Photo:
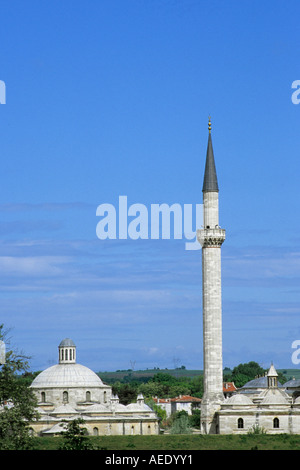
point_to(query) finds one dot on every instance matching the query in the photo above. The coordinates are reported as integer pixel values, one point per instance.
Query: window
(65, 397)
(275, 423)
(240, 423)
(43, 397)
(104, 397)
(88, 396)
(95, 431)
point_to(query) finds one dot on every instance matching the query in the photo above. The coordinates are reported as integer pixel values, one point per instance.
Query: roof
(180, 399)
(66, 342)
(210, 182)
(272, 372)
(260, 382)
(293, 383)
(238, 399)
(229, 387)
(67, 375)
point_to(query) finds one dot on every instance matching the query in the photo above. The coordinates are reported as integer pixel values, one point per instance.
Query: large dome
(67, 375)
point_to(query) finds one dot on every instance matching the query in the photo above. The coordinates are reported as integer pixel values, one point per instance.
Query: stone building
(68, 390)
(180, 403)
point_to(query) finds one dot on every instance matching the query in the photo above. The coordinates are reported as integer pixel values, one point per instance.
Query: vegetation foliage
(14, 420)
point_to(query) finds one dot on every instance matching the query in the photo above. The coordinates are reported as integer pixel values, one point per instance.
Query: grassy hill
(290, 373)
(130, 374)
(119, 375)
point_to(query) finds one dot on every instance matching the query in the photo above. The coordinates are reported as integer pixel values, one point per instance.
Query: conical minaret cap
(210, 182)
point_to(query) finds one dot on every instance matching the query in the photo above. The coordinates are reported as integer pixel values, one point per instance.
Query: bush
(181, 423)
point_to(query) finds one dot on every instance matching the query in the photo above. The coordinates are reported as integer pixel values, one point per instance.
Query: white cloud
(38, 265)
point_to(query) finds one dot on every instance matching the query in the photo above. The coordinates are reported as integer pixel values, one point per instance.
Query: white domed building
(67, 391)
(264, 404)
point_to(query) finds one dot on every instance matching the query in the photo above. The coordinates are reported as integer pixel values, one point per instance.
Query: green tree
(195, 418)
(161, 412)
(75, 436)
(17, 402)
(180, 423)
(127, 393)
(243, 373)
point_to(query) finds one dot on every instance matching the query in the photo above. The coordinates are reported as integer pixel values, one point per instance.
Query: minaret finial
(209, 124)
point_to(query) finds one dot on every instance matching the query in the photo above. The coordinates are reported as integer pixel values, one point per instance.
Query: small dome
(96, 408)
(238, 399)
(66, 342)
(133, 407)
(260, 382)
(297, 401)
(274, 400)
(63, 410)
(138, 407)
(120, 407)
(294, 383)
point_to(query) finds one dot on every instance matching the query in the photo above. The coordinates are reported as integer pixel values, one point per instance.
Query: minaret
(211, 238)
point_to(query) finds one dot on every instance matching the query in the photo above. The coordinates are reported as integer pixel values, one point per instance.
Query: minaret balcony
(211, 237)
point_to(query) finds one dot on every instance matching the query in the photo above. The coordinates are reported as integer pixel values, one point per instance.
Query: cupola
(67, 352)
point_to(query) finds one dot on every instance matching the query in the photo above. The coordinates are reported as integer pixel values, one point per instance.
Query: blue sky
(110, 98)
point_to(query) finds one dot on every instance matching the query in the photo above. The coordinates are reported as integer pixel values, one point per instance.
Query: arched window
(240, 423)
(88, 396)
(65, 397)
(275, 423)
(104, 397)
(95, 431)
(43, 397)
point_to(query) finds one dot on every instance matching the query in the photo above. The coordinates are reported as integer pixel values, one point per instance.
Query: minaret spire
(210, 182)
(211, 238)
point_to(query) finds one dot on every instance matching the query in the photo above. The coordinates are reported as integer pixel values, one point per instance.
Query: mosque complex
(68, 390)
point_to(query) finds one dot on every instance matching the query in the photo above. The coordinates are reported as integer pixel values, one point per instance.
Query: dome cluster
(68, 390)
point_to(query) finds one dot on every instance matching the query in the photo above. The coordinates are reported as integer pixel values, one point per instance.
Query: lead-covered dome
(238, 399)
(67, 375)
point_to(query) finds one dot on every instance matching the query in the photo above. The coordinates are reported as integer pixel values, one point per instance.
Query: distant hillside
(290, 373)
(143, 375)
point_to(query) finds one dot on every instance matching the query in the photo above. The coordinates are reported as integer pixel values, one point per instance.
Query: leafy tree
(197, 387)
(243, 373)
(161, 412)
(195, 418)
(17, 402)
(75, 436)
(180, 424)
(127, 393)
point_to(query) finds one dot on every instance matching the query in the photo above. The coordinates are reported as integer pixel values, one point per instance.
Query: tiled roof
(180, 399)
(229, 387)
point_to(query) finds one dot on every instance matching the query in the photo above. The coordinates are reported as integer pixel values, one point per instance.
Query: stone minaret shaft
(211, 238)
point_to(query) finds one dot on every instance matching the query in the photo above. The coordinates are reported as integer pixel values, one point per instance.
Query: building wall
(71, 395)
(289, 420)
(102, 426)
